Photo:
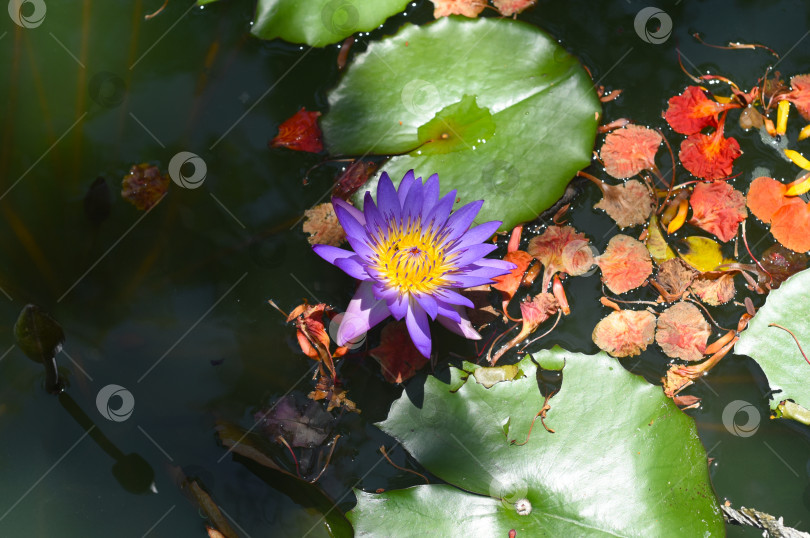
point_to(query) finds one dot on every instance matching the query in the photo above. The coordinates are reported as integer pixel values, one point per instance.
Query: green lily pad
(496, 107)
(624, 460)
(774, 349)
(320, 22)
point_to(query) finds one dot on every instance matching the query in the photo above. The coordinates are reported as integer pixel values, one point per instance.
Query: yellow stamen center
(412, 259)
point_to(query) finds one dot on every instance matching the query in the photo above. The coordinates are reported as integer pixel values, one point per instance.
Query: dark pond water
(172, 304)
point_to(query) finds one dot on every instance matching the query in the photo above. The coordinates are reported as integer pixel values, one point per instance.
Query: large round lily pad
(774, 349)
(624, 460)
(320, 22)
(496, 107)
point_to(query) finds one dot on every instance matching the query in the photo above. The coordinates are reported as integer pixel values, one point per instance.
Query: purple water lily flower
(410, 252)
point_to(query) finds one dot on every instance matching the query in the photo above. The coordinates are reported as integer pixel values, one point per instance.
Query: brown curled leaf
(322, 226)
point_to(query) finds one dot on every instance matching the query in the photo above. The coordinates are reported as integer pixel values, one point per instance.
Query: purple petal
(376, 225)
(428, 303)
(430, 194)
(398, 306)
(463, 328)
(363, 313)
(470, 281)
(356, 233)
(353, 211)
(353, 267)
(330, 253)
(472, 254)
(412, 206)
(405, 186)
(441, 211)
(417, 322)
(459, 222)
(449, 296)
(447, 311)
(480, 233)
(387, 198)
(500, 264)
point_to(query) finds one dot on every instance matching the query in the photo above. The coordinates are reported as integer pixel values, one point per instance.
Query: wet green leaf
(320, 22)
(774, 349)
(624, 460)
(537, 132)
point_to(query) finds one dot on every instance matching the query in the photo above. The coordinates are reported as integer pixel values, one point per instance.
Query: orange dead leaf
(507, 8)
(322, 225)
(675, 382)
(467, 8)
(629, 204)
(300, 133)
(799, 94)
(144, 186)
(766, 196)
(625, 333)
(561, 249)
(675, 276)
(625, 264)
(691, 111)
(629, 150)
(790, 226)
(718, 208)
(509, 283)
(709, 156)
(398, 357)
(683, 332)
(311, 333)
(534, 311)
(714, 289)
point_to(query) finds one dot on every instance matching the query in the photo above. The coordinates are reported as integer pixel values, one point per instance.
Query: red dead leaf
(321, 223)
(625, 333)
(766, 196)
(629, 150)
(629, 204)
(683, 332)
(675, 276)
(714, 289)
(467, 8)
(311, 333)
(396, 353)
(535, 311)
(353, 178)
(718, 208)
(790, 226)
(800, 94)
(561, 249)
(625, 264)
(781, 262)
(144, 186)
(300, 133)
(691, 111)
(507, 8)
(709, 156)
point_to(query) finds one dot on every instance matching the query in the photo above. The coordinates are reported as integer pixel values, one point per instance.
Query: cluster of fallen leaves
(473, 8)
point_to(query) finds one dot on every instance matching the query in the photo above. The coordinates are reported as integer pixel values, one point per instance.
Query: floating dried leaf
(656, 244)
(766, 196)
(625, 333)
(702, 253)
(398, 357)
(709, 156)
(790, 226)
(675, 276)
(629, 204)
(691, 111)
(629, 150)
(322, 225)
(799, 94)
(467, 8)
(306, 425)
(718, 208)
(683, 332)
(714, 288)
(625, 264)
(561, 249)
(782, 263)
(355, 176)
(144, 186)
(507, 8)
(300, 133)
